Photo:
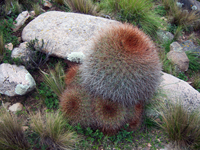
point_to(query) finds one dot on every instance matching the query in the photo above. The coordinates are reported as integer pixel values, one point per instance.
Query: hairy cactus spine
(123, 65)
(76, 105)
(108, 116)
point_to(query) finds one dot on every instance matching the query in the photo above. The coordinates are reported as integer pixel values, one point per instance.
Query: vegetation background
(47, 128)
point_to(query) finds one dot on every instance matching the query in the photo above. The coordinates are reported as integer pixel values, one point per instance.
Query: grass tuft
(51, 129)
(180, 125)
(81, 6)
(11, 133)
(55, 79)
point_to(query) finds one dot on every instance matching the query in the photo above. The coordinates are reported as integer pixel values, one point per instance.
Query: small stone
(24, 128)
(178, 57)
(47, 4)
(9, 46)
(32, 13)
(16, 107)
(19, 39)
(22, 17)
(6, 104)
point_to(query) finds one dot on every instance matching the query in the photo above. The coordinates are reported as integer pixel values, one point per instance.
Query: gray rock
(187, 45)
(178, 57)
(64, 32)
(190, 46)
(165, 36)
(177, 89)
(188, 4)
(15, 80)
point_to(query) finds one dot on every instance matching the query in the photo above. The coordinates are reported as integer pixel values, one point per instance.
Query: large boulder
(176, 89)
(15, 80)
(64, 32)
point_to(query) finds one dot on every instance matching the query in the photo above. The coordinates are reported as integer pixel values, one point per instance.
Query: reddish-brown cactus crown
(123, 65)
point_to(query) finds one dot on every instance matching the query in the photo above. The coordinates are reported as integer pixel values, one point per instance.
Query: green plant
(6, 26)
(36, 8)
(81, 6)
(2, 44)
(51, 127)
(122, 60)
(50, 98)
(160, 10)
(11, 133)
(182, 76)
(194, 60)
(139, 13)
(180, 125)
(61, 2)
(196, 81)
(177, 33)
(55, 79)
(35, 57)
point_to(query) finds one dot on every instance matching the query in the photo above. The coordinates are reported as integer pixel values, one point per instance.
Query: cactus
(108, 116)
(122, 66)
(76, 105)
(72, 76)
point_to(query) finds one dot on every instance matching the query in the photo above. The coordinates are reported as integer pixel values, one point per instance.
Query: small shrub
(51, 127)
(196, 81)
(160, 10)
(61, 2)
(50, 98)
(81, 6)
(11, 133)
(182, 76)
(194, 60)
(37, 9)
(6, 26)
(35, 57)
(180, 125)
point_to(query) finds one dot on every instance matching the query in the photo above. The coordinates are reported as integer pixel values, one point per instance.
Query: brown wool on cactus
(75, 103)
(71, 75)
(123, 65)
(108, 116)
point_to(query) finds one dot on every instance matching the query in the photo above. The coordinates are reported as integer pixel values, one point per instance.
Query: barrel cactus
(75, 103)
(123, 65)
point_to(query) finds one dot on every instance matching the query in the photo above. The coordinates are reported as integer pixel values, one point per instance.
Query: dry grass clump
(180, 125)
(81, 6)
(180, 17)
(51, 127)
(12, 136)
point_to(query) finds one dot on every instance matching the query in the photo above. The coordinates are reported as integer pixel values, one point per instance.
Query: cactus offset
(108, 116)
(123, 65)
(76, 105)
